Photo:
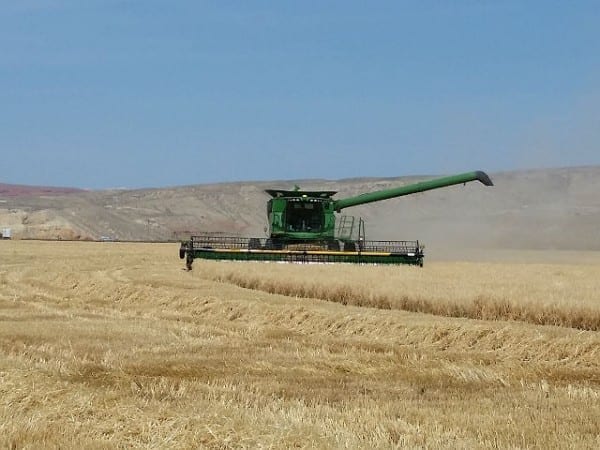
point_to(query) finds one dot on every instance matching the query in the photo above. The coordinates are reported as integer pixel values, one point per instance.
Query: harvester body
(302, 228)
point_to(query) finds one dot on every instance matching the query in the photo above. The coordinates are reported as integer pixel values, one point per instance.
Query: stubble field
(108, 345)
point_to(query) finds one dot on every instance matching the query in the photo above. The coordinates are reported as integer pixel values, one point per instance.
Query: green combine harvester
(303, 228)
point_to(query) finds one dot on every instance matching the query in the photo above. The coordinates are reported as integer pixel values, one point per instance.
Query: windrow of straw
(375, 288)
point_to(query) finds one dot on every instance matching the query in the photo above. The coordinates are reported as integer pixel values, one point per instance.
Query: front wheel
(273, 244)
(333, 246)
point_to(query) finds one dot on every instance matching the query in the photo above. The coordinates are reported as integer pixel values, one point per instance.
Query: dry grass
(114, 345)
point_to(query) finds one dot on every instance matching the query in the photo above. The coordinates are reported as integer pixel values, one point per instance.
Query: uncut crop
(543, 294)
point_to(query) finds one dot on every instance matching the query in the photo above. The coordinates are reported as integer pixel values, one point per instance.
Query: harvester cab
(297, 216)
(302, 228)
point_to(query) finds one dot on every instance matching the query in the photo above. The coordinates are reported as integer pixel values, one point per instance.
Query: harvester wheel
(273, 244)
(333, 246)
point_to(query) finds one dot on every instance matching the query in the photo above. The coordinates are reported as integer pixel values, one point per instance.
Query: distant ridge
(18, 190)
(557, 209)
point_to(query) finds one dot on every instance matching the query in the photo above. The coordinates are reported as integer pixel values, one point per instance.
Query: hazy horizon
(249, 181)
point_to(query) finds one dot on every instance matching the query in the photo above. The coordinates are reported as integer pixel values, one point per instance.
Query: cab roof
(277, 193)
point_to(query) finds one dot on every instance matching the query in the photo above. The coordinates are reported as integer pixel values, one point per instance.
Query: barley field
(114, 345)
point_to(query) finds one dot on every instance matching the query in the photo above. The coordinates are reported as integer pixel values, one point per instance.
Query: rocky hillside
(538, 209)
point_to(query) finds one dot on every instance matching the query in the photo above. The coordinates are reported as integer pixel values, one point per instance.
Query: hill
(535, 209)
(19, 190)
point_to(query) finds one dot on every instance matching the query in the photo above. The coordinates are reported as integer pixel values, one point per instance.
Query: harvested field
(115, 345)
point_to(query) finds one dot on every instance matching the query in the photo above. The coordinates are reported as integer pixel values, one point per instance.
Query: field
(108, 345)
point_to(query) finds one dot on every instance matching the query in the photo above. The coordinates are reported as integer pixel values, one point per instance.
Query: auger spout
(422, 186)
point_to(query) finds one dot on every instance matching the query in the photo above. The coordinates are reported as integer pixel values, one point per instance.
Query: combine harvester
(302, 228)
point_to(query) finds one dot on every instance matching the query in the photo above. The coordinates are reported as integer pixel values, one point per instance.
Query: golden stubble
(114, 345)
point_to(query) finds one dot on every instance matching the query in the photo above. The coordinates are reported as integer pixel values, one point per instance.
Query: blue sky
(116, 93)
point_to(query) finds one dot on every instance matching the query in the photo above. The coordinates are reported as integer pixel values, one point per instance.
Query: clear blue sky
(115, 93)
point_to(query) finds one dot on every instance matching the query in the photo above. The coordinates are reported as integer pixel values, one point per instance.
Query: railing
(211, 242)
(390, 246)
(224, 242)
